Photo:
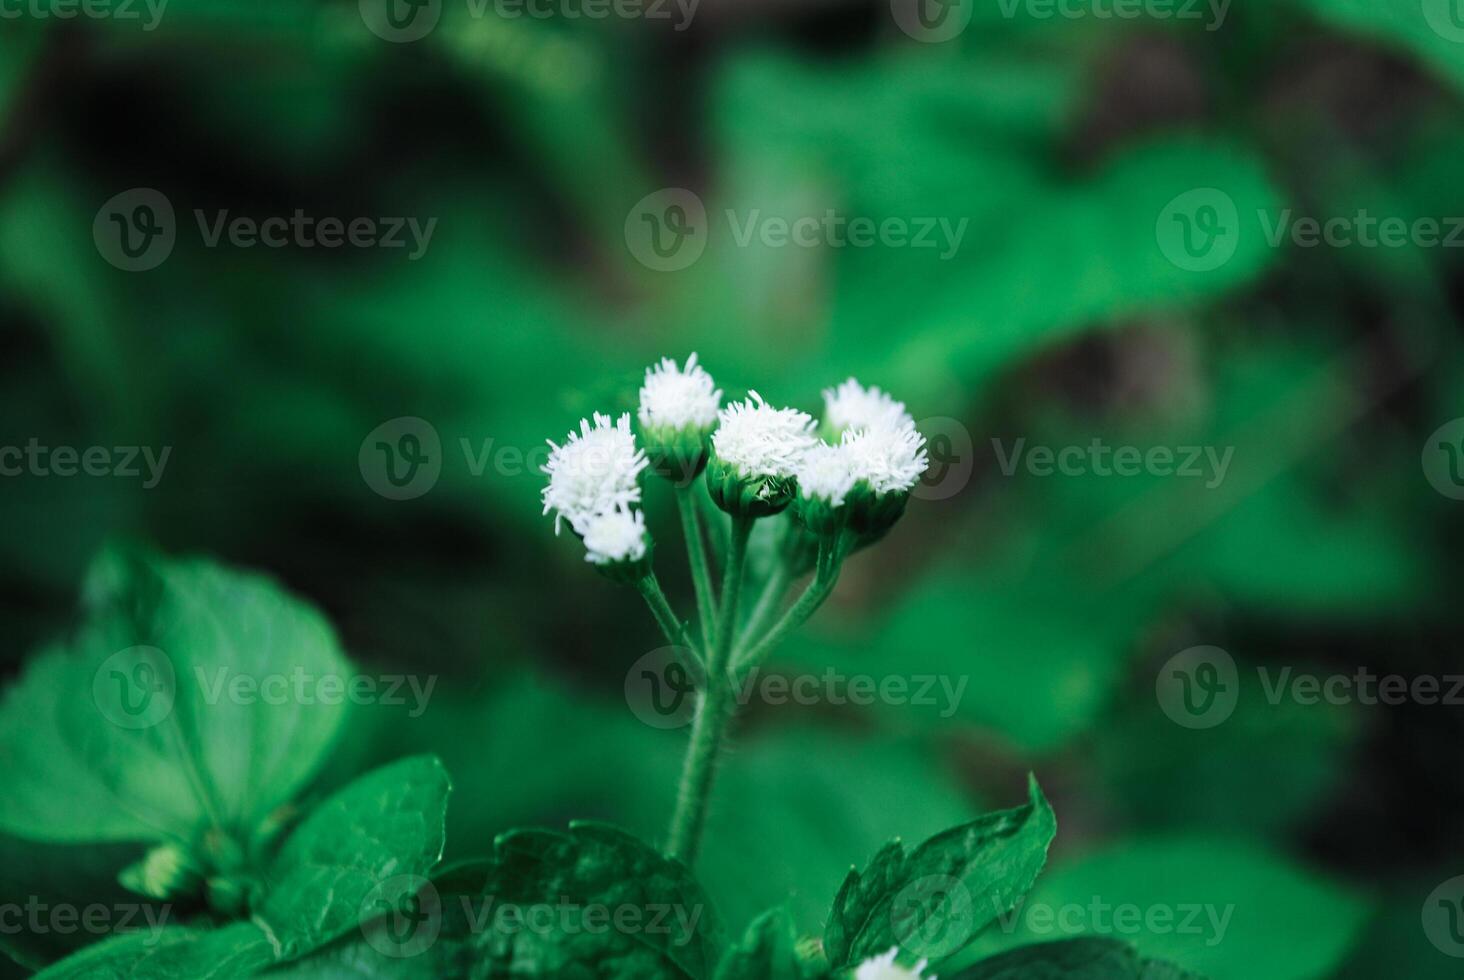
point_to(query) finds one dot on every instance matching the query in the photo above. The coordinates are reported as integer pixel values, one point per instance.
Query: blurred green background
(1061, 318)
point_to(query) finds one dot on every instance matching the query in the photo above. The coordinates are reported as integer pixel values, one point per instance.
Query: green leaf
(1073, 959)
(387, 824)
(933, 900)
(768, 951)
(175, 953)
(593, 902)
(1224, 908)
(597, 867)
(134, 729)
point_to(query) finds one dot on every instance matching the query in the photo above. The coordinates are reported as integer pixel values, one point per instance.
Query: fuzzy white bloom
(758, 440)
(615, 536)
(594, 472)
(884, 967)
(852, 406)
(826, 473)
(678, 398)
(889, 459)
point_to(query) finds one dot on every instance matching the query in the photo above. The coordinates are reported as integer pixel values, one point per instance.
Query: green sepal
(678, 455)
(740, 496)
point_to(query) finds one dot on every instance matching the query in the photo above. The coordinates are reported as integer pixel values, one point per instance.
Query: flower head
(884, 967)
(826, 474)
(757, 440)
(596, 471)
(890, 459)
(755, 453)
(852, 406)
(678, 407)
(615, 536)
(675, 399)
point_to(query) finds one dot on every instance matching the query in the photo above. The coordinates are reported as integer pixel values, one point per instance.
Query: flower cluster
(758, 458)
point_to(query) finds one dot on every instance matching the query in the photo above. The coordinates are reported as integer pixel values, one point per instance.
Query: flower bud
(678, 410)
(755, 451)
(617, 544)
(165, 873)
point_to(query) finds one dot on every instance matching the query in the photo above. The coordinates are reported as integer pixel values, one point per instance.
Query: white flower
(757, 440)
(615, 536)
(890, 460)
(593, 473)
(884, 967)
(675, 398)
(826, 473)
(852, 406)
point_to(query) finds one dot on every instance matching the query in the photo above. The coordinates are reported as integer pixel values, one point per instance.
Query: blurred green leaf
(1225, 909)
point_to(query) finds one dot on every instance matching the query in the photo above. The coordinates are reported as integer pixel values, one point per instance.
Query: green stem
(714, 711)
(716, 521)
(701, 572)
(767, 603)
(824, 580)
(650, 589)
